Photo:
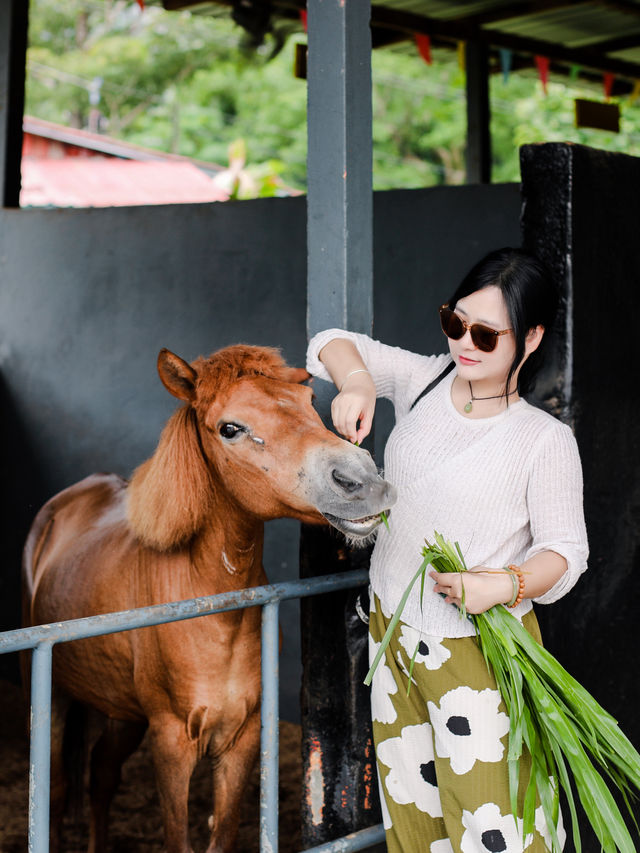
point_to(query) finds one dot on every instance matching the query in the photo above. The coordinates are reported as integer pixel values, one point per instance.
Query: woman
(474, 461)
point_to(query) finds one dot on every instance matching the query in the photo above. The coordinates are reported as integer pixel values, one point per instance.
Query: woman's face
(488, 307)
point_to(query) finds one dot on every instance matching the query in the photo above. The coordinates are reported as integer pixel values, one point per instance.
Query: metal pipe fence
(42, 638)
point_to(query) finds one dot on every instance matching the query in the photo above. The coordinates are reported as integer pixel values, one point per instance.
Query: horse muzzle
(353, 495)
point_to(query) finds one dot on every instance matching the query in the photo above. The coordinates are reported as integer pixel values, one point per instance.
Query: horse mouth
(355, 528)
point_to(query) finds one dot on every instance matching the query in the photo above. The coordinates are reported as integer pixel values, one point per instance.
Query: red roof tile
(97, 182)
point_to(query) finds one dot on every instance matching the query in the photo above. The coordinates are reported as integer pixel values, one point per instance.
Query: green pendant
(468, 407)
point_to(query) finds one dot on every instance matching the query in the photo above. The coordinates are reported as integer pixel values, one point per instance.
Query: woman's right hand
(353, 407)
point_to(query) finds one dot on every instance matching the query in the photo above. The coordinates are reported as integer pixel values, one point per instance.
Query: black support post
(580, 214)
(478, 114)
(339, 787)
(14, 15)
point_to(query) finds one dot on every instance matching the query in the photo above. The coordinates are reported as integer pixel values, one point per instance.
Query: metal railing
(42, 639)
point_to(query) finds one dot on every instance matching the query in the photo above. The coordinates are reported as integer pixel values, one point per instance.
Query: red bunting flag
(424, 46)
(303, 18)
(542, 63)
(607, 83)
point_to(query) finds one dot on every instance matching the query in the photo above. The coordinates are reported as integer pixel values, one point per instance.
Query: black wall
(88, 297)
(581, 213)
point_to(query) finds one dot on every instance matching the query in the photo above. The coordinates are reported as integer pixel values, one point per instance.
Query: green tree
(181, 82)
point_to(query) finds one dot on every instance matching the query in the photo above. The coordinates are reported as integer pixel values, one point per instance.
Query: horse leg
(60, 704)
(174, 757)
(119, 739)
(230, 776)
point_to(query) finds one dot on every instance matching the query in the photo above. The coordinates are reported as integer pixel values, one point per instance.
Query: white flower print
(383, 686)
(441, 846)
(412, 777)
(541, 826)
(487, 829)
(384, 808)
(468, 727)
(431, 653)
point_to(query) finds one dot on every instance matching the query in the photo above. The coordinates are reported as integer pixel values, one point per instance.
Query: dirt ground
(135, 825)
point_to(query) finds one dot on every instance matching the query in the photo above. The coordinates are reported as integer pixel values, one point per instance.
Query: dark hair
(530, 296)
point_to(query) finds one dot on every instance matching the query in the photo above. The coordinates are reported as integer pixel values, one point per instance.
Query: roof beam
(629, 8)
(614, 44)
(517, 10)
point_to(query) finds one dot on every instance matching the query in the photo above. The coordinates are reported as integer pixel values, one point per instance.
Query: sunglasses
(482, 336)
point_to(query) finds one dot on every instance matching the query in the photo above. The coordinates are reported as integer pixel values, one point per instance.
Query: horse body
(246, 447)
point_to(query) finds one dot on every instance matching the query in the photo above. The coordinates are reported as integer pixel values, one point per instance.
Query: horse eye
(230, 430)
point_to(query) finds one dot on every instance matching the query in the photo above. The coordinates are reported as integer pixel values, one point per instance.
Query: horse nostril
(346, 483)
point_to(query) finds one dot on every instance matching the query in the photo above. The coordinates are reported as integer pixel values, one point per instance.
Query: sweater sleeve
(555, 502)
(398, 374)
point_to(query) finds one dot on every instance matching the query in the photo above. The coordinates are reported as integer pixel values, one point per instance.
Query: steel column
(40, 761)
(478, 113)
(269, 741)
(339, 164)
(335, 717)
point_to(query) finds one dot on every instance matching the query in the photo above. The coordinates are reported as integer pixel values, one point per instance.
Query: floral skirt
(442, 750)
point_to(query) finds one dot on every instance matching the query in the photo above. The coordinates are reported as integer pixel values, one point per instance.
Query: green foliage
(181, 82)
(567, 734)
(522, 114)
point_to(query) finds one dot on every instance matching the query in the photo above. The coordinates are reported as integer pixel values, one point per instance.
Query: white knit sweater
(505, 487)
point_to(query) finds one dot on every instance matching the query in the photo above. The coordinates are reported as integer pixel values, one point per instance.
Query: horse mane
(171, 495)
(224, 368)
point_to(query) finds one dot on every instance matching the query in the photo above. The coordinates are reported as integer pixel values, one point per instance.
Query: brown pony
(247, 446)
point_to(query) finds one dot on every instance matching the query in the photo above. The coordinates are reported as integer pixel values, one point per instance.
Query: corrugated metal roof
(603, 35)
(593, 24)
(598, 35)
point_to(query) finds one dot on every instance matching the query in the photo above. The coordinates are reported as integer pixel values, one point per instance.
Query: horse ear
(178, 377)
(294, 374)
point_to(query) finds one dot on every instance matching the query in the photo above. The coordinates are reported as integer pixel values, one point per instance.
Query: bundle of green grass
(567, 733)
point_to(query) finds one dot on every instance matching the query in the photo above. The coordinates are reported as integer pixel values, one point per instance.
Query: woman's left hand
(483, 588)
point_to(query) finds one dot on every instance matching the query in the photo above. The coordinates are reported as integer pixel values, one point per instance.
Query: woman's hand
(353, 407)
(483, 588)
(356, 400)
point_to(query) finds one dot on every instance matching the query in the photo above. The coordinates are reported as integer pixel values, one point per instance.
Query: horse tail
(171, 494)
(31, 553)
(34, 545)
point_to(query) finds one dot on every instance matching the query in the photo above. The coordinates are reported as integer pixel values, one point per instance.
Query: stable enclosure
(89, 297)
